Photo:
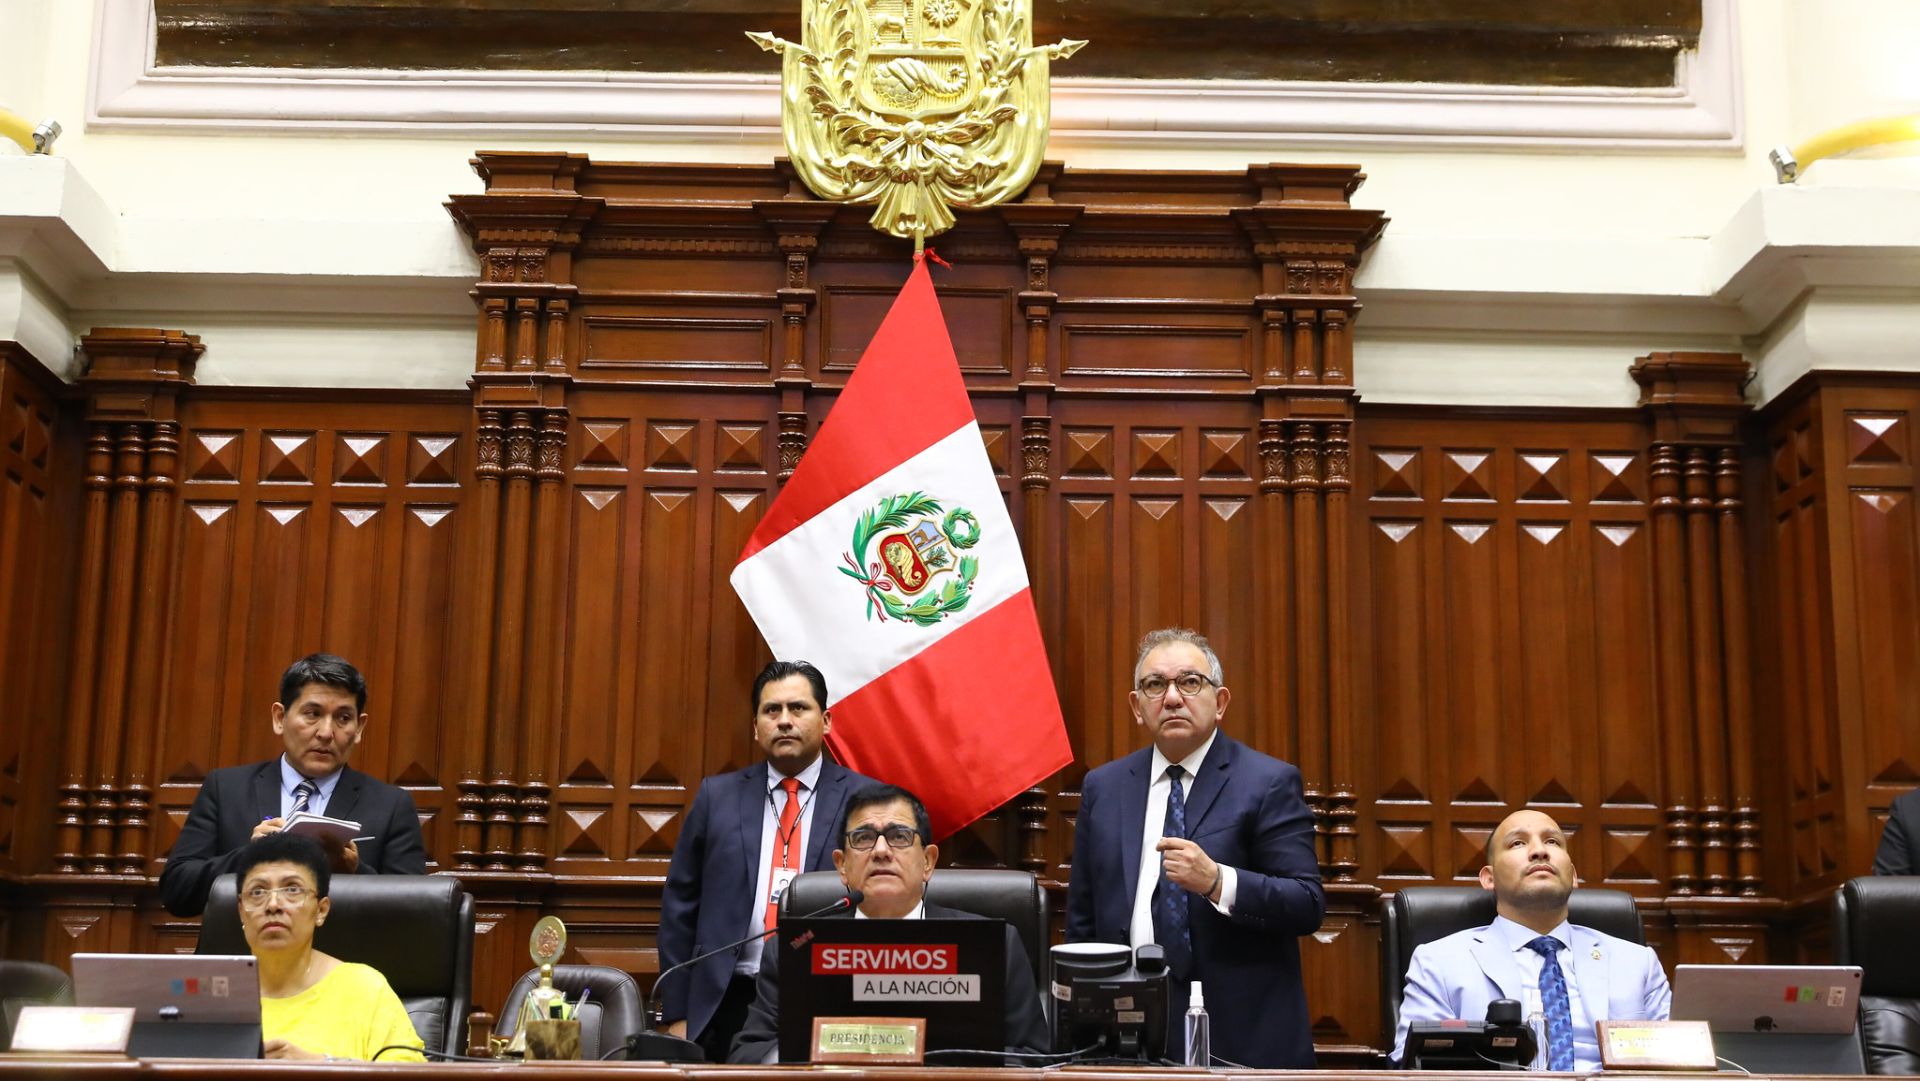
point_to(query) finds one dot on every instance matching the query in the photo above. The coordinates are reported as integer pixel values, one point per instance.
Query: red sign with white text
(846, 959)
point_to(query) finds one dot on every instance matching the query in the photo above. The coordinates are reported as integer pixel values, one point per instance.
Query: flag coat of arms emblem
(889, 561)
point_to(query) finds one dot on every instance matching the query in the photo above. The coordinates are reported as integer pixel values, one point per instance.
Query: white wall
(1518, 275)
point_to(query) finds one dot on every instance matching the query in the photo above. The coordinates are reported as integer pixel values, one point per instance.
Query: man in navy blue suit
(748, 834)
(1203, 845)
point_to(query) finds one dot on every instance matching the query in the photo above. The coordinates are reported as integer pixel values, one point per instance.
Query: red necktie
(786, 853)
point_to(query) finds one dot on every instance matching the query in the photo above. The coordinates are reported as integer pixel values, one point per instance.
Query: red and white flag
(890, 562)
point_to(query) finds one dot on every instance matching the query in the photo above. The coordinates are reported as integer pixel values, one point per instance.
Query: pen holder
(551, 1039)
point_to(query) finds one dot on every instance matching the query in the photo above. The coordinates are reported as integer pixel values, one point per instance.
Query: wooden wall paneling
(1869, 433)
(40, 454)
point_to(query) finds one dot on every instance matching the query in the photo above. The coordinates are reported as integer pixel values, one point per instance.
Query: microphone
(1509, 1036)
(649, 1045)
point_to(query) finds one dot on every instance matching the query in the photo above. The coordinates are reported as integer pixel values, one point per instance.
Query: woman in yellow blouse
(312, 1006)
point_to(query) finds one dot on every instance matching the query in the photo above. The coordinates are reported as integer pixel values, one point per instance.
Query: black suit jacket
(1026, 1025)
(232, 801)
(708, 900)
(1896, 855)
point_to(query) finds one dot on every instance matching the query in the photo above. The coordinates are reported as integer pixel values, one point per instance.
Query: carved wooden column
(1038, 223)
(1696, 406)
(525, 229)
(133, 381)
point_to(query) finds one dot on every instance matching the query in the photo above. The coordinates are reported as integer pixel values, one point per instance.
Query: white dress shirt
(1586, 1042)
(1156, 820)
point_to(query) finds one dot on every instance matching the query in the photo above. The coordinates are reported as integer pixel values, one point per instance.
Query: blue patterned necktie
(302, 793)
(1553, 1002)
(1170, 928)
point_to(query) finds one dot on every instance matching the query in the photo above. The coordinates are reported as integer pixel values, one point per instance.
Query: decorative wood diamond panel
(1616, 478)
(1406, 851)
(583, 830)
(1470, 848)
(360, 458)
(1088, 452)
(286, 457)
(1156, 454)
(1877, 437)
(430, 459)
(1396, 473)
(654, 828)
(603, 444)
(998, 440)
(213, 456)
(1629, 855)
(740, 447)
(1467, 475)
(1542, 476)
(669, 444)
(1223, 453)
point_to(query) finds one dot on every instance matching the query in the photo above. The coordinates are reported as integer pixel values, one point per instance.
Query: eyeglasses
(256, 897)
(1188, 684)
(862, 839)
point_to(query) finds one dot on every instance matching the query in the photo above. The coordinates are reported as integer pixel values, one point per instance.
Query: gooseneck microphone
(650, 1045)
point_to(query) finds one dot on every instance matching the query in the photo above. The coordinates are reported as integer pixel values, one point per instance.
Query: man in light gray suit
(1570, 976)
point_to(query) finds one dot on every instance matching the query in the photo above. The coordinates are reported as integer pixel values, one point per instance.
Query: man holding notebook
(320, 718)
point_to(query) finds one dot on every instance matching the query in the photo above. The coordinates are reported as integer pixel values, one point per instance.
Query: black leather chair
(1421, 914)
(611, 1012)
(1013, 896)
(416, 929)
(1876, 925)
(29, 983)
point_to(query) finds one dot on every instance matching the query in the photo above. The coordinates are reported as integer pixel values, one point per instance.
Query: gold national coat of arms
(917, 106)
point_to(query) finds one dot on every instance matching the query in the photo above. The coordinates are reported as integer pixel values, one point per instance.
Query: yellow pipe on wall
(1789, 163)
(15, 127)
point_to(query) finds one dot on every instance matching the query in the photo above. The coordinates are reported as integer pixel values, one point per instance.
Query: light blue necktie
(302, 794)
(1554, 1003)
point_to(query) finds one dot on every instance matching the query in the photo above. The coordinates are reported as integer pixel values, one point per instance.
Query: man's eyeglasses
(862, 839)
(257, 897)
(1187, 683)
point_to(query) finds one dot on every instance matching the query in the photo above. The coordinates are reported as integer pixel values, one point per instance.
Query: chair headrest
(1428, 913)
(1882, 913)
(407, 926)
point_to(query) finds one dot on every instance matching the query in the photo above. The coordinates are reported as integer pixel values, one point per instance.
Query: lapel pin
(1596, 953)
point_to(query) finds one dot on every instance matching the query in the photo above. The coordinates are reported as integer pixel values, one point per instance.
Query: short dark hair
(781, 670)
(322, 668)
(881, 795)
(285, 848)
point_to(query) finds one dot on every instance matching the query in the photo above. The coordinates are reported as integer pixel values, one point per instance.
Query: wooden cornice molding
(136, 373)
(1695, 398)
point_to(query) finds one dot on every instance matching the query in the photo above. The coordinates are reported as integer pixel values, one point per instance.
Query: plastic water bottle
(1199, 1030)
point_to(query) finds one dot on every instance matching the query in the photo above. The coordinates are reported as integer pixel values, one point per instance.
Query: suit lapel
(1133, 817)
(346, 794)
(265, 794)
(1208, 781)
(1592, 969)
(747, 801)
(1498, 964)
(827, 797)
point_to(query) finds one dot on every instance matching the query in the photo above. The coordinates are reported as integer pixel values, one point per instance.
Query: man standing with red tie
(748, 834)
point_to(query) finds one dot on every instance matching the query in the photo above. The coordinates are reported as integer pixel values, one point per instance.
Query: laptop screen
(187, 987)
(1768, 998)
(952, 972)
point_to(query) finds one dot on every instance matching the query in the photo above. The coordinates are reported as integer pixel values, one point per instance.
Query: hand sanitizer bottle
(1199, 1030)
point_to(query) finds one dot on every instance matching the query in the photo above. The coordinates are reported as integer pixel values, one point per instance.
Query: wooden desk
(118, 1069)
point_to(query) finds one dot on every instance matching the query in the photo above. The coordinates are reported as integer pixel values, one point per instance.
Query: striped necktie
(303, 793)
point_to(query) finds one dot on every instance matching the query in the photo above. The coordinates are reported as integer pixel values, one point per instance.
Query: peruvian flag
(889, 562)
